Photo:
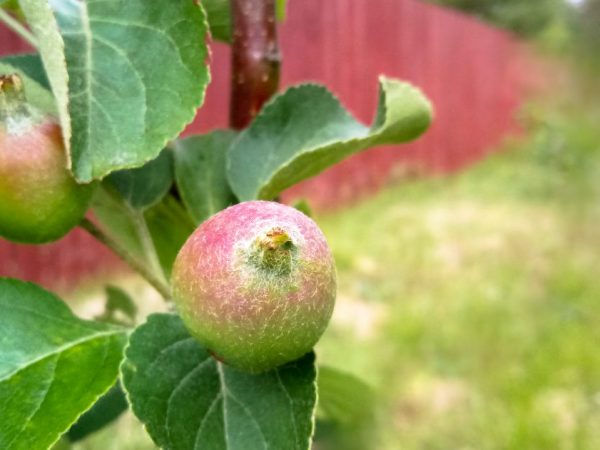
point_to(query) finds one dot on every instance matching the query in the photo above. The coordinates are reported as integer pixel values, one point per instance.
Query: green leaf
(303, 206)
(127, 227)
(29, 66)
(117, 300)
(35, 82)
(219, 18)
(187, 400)
(137, 72)
(305, 130)
(54, 366)
(161, 229)
(170, 226)
(147, 185)
(11, 5)
(200, 173)
(343, 398)
(110, 406)
(50, 44)
(280, 9)
(116, 219)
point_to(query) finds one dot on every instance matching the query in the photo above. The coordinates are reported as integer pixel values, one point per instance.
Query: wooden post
(256, 59)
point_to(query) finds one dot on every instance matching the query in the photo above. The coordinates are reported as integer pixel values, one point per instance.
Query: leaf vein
(208, 413)
(179, 385)
(291, 402)
(39, 405)
(61, 349)
(168, 38)
(168, 348)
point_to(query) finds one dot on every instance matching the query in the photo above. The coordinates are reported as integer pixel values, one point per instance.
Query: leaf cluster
(124, 78)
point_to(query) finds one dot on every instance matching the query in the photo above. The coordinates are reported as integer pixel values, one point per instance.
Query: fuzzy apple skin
(251, 312)
(39, 199)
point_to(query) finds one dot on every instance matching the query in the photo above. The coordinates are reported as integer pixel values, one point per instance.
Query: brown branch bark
(256, 61)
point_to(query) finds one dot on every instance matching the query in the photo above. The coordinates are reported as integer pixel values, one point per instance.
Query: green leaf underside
(137, 73)
(305, 130)
(35, 83)
(119, 300)
(107, 409)
(200, 173)
(343, 398)
(115, 217)
(170, 225)
(168, 222)
(219, 18)
(53, 367)
(52, 52)
(187, 400)
(147, 185)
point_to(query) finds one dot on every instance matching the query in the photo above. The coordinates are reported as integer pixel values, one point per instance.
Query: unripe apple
(256, 285)
(39, 199)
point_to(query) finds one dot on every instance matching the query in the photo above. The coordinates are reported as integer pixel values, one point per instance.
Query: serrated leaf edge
(64, 118)
(222, 387)
(121, 375)
(372, 135)
(266, 110)
(192, 114)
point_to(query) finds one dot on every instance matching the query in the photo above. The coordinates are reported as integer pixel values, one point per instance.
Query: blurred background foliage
(559, 25)
(526, 18)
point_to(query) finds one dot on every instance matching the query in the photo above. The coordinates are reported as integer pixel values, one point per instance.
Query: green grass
(472, 303)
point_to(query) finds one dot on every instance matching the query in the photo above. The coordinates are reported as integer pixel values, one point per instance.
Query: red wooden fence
(475, 75)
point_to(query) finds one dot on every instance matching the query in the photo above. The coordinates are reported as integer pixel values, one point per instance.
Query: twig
(98, 234)
(17, 27)
(255, 63)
